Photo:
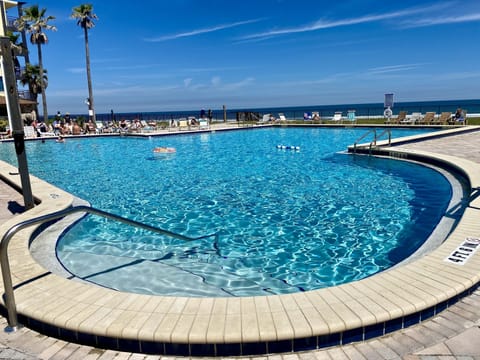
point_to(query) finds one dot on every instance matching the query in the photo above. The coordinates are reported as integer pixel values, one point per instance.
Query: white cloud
(76, 70)
(240, 84)
(441, 20)
(216, 81)
(200, 31)
(187, 82)
(393, 68)
(325, 24)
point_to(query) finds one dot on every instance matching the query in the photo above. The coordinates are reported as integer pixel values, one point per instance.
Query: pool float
(286, 147)
(164, 150)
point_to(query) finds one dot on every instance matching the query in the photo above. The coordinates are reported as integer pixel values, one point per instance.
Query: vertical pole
(224, 113)
(13, 108)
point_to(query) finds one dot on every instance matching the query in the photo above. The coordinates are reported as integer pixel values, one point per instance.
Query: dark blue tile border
(241, 349)
(228, 350)
(354, 335)
(374, 331)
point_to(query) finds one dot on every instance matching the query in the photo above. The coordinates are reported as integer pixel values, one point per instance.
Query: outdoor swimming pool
(286, 221)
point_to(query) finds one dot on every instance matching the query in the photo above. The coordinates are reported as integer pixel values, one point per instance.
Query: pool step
(116, 272)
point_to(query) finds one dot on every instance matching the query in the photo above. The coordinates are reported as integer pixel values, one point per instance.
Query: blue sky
(188, 54)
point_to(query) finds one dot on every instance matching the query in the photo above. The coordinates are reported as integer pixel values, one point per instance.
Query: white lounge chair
(146, 127)
(265, 119)
(29, 131)
(410, 119)
(183, 124)
(99, 127)
(282, 117)
(203, 124)
(337, 117)
(416, 117)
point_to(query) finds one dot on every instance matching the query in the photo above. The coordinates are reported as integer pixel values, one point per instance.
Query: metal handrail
(362, 137)
(375, 138)
(382, 133)
(4, 262)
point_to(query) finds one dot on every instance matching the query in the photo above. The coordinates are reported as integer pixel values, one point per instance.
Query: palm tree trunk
(44, 98)
(91, 106)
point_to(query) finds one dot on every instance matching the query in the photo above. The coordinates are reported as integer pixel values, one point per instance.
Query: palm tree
(34, 21)
(31, 77)
(84, 14)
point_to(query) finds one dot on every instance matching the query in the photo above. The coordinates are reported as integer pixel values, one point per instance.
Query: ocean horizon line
(362, 109)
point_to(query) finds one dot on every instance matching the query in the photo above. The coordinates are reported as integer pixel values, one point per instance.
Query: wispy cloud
(76, 70)
(217, 84)
(393, 68)
(326, 24)
(200, 31)
(440, 20)
(240, 84)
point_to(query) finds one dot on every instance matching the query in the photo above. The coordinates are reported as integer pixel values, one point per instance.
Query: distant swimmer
(162, 149)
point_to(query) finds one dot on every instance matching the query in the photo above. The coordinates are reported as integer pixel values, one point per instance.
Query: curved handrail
(4, 262)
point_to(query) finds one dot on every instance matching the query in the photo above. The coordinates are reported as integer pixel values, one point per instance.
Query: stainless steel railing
(375, 138)
(5, 265)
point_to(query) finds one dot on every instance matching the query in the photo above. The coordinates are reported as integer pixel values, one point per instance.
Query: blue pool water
(286, 221)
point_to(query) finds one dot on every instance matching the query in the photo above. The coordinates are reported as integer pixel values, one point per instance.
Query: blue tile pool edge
(243, 349)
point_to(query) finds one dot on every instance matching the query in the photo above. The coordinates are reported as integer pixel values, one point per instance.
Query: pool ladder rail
(376, 137)
(9, 296)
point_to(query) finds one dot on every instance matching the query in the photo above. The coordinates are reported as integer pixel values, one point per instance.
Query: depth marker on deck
(464, 251)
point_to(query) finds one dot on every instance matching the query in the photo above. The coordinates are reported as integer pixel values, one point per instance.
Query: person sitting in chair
(459, 116)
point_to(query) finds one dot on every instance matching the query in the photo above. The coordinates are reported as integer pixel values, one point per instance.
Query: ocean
(296, 112)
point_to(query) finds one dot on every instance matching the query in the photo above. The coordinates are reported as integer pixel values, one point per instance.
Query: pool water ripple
(286, 220)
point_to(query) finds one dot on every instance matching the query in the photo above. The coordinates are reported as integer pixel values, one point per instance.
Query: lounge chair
(172, 124)
(146, 127)
(193, 122)
(183, 124)
(265, 119)
(351, 116)
(428, 119)
(99, 127)
(337, 117)
(316, 116)
(459, 120)
(29, 131)
(445, 118)
(203, 124)
(402, 115)
(282, 117)
(415, 118)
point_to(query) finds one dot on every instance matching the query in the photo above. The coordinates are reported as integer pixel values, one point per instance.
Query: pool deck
(421, 289)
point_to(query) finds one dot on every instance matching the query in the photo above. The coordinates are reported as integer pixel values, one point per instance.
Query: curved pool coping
(388, 301)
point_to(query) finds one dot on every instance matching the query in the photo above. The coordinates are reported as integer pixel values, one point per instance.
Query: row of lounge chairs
(189, 123)
(430, 118)
(313, 116)
(136, 126)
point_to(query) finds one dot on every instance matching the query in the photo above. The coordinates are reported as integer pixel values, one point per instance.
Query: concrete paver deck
(451, 333)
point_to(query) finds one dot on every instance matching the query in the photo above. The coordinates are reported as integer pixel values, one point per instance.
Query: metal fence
(296, 114)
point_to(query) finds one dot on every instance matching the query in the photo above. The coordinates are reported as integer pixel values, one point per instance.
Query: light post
(13, 109)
